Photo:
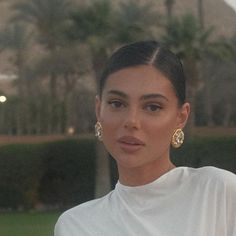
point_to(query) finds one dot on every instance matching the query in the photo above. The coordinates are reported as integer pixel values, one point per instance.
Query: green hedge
(62, 173)
(20, 171)
(217, 151)
(69, 172)
(208, 151)
(57, 174)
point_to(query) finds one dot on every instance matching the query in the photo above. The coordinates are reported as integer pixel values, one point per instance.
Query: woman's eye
(115, 104)
(153, 107)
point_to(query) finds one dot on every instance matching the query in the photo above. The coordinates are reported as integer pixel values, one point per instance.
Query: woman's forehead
(146, 79)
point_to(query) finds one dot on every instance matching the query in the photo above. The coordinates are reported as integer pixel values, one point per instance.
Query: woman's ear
(184, 113)
(98, 107)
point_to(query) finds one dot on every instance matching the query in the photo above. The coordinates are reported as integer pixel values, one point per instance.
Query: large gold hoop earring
(98, 131)
(177, 138)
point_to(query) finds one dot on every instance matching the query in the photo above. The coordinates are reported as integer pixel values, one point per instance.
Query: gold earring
(177, 138)
(98, 131)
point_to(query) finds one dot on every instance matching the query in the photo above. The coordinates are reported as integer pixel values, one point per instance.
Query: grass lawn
(27, 224)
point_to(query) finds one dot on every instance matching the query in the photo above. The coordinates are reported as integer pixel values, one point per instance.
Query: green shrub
(60, 173)
(69, 172)
(20, 171)
(218, 151)
(11, 196)
(212, 151)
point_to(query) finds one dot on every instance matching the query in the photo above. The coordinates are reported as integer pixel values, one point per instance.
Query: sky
(231, 3)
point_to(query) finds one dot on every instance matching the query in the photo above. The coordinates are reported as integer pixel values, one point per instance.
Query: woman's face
(139, 113)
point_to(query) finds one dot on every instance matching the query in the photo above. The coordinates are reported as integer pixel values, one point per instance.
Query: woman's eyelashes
(116, 104)
(152, 107)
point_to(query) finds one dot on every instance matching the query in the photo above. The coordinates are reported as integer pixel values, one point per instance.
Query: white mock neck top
(183, 202)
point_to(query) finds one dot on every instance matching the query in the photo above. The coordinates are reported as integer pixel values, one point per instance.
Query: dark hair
(147, 53)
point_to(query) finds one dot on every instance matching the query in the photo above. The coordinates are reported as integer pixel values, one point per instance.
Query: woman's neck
(142, 175)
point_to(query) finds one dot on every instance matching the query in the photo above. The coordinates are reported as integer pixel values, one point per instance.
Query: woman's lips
(130, 144)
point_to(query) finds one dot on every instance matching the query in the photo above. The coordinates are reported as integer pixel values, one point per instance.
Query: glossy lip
(130, 144)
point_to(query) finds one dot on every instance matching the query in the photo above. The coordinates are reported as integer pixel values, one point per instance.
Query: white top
(183, 202)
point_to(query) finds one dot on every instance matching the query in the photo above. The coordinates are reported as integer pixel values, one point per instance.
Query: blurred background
(51, 55)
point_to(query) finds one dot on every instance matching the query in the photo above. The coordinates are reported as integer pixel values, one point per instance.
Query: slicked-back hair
(147, 53)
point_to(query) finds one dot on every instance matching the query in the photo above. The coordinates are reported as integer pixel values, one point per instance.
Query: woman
(141, 111)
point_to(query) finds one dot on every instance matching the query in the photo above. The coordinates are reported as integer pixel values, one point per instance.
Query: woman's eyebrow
(117, 92)
(143, 97)
(153, 95)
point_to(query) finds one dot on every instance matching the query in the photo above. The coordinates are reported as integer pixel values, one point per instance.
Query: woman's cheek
(109, 125)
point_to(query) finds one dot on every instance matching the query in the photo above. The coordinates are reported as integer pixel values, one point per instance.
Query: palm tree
(92, 25)
(218, 61)
(103, 29)
(135, 21)
(189, 41)
(201, 13)
(70, 65)
(16, 39)
(169, 9)
(49, 20)
(192, 44)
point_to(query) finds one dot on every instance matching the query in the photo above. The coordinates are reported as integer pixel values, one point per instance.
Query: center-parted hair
(147, 53)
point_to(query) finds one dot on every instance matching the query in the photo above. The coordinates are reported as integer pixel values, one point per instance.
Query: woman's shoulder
(72, 221)
(214, 175)
(215, 172)
(76, 220)
(86, 210)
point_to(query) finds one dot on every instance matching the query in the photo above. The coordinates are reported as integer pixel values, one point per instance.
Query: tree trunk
(208, 102)
(2, 117)
(99, 60)
(103, 177)
(201, 13)
(53, 103)
(227, 114)
(103, 182)
(191, 71)
(169, 9)
(207, 77)
(70, 85)
(21, 93)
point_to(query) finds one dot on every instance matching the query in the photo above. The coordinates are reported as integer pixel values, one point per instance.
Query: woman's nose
(132, 119)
